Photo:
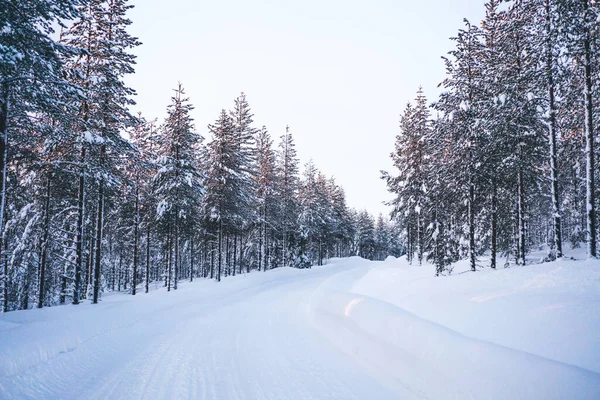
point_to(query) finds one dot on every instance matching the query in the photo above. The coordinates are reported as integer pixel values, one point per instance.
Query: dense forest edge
(505, 161)
(96, 198)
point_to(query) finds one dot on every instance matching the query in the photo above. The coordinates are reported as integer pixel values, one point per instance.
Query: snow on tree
(178, 181)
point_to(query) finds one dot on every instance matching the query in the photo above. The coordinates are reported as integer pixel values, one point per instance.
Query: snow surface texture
(352, 329)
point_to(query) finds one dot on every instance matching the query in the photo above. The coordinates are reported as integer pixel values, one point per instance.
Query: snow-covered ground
(352, 329)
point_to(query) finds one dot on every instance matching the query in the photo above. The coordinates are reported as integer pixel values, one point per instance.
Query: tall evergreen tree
(287, 173)
(178, 180)
(102, 32)
(32, 80)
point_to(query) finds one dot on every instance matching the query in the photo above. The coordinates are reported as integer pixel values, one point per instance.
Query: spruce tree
(178, 180)
(102, 32)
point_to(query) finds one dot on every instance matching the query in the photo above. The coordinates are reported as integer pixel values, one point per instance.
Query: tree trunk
(472, 254)
(521, 218)
(220, 255)
(99, 223)
(176, 275)
(120, 273)
(63, 285)
(90, 261)
(266, 242)
(212, 260)
(260, 246)
(166, 262)
(284, 248)
(3, 167)
(113, 277)
(420, 238)
(242, 256)
(227, 256)
(205, 258)
(44, 255)
(552, 136)
(170, 260)
(148, 258)
(136, 250)
(192, 258)
(126, 280)
(234, 253)
(494, 225)
(409, 253)
(589, 145)
(80, 228)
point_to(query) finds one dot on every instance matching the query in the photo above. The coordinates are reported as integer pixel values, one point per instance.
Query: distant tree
(287, 175)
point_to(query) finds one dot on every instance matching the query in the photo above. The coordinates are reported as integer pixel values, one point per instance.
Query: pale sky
(337, 72)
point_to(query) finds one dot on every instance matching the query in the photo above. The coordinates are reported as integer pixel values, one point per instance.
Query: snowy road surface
(284, 334)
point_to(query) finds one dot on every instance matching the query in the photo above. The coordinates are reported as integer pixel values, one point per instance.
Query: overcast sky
(337, 72)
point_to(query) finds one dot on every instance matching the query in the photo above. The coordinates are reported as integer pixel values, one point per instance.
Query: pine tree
(102, 32)
(222, 182)
(265, 185)
(31, 80)
(287, 176)
(244, 135)
(310, 217)
(365, 239)
(382, 239)
(582, 40)
(178, 180)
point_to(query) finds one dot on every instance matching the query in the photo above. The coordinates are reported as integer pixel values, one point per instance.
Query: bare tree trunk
(90, 261)
(220, 255)
(212, 260)
(136, 241)
(205, 267)
(260, 246)
(44, 255)
(521, 218)
(192, 258)
(494, 224)
(99, 223)
(284, 248)
(177, 261)
(148, 259)
(63, 285)
(3, 167)
(552, 136)
(589, 139)
(126, 272)
(234, 252)
(80, 228)
(472, 254)
(227, 255)
(242, 256)
(120, 273)
(409, 254)
(420, 238)
(170, 260)
(166, 261)
(266, 242)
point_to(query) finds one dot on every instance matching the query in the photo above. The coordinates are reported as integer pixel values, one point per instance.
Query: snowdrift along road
(285, 334)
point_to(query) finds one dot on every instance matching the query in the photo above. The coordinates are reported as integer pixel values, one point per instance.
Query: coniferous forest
(506, 159)
(96, 197)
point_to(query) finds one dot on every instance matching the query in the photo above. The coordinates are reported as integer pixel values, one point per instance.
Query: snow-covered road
(250, 337)
(284, 334)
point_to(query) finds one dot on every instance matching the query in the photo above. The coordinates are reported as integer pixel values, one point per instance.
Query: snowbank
(432, 361)
(551, 310)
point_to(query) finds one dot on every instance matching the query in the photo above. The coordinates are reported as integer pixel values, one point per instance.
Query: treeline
(94, 198)
(509, 160)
